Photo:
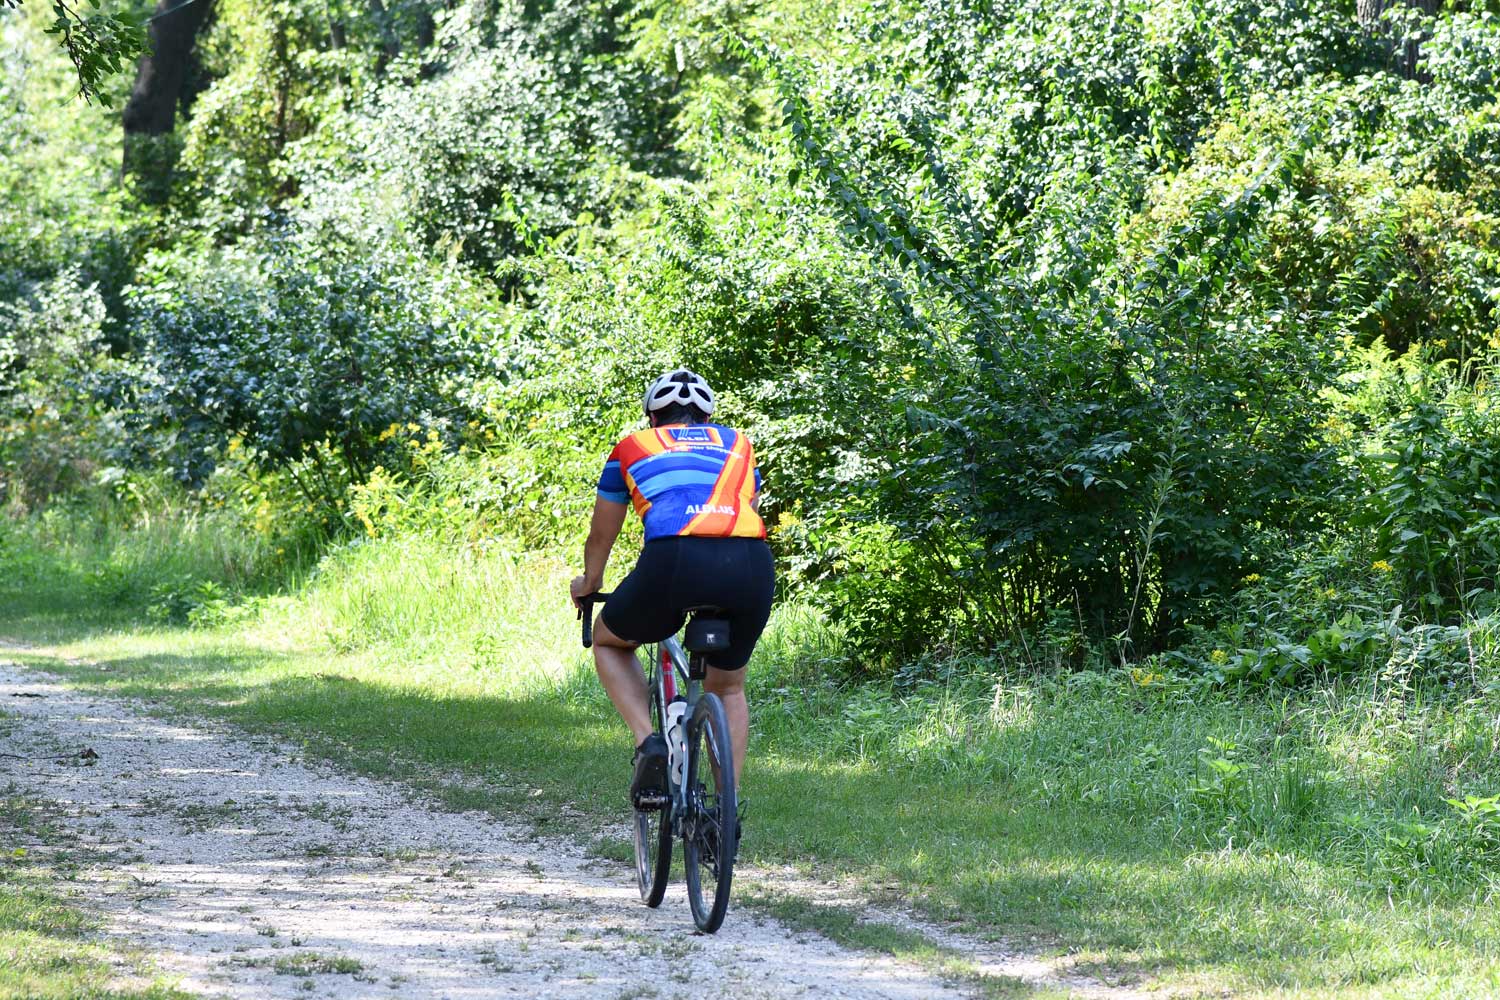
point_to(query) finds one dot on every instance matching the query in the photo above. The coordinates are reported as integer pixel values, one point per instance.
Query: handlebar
(586, 614)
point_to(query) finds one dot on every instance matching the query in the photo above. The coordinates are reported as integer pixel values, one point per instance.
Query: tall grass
(484, 619)
(86, 564)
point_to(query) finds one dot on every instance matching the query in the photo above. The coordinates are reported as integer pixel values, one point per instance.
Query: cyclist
(696, 488)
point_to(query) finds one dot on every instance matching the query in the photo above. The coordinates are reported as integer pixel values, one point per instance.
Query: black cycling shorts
(682, 572)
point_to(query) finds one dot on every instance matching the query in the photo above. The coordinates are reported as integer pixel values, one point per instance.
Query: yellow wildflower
(1218, 657)
(1381, 565)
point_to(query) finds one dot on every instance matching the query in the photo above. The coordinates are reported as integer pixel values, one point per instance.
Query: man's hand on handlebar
(582, 587)
(585, 602)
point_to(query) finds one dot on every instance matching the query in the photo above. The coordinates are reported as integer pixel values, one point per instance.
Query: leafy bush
(51, 437)
(302, 353)
(1034, 493)
(1128, 287)
(1436, 506)
(534, 125)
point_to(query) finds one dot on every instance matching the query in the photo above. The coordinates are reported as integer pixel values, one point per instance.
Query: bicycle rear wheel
(653, 827)
(710, 830)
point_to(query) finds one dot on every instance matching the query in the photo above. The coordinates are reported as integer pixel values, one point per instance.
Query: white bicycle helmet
(679, 387)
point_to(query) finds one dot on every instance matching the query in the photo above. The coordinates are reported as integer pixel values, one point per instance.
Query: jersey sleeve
(755, 470)
(612, 480)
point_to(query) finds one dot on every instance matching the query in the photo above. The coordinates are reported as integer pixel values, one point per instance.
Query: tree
(151, 112)
(1405, 48)
(99, 44)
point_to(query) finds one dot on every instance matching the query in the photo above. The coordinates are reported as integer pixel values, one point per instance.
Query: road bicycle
(700, 806)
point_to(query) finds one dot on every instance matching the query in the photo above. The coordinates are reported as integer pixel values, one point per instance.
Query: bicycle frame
(673, 668)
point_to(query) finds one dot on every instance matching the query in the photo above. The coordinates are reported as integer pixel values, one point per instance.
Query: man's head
(679, 397)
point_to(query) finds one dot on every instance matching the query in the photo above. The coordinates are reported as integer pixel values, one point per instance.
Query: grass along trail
(248, 872)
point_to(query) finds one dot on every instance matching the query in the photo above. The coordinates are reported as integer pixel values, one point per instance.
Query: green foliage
(50, 438)
(58, 169)
(1207, 305)
(99, 44)
(532, 128)
(1053, 324)
(301, 354)
(1030, 491)
(272, 75)
(1436, 506)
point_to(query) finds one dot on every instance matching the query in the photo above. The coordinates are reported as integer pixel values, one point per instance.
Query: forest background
(1123, 376)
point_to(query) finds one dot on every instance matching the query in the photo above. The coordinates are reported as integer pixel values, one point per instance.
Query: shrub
(51, 436)
(304, 353)
(1436, 503)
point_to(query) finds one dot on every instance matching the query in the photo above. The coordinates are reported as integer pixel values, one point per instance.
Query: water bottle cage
(676, 735)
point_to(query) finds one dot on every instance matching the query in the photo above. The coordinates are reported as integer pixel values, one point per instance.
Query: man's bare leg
(623, 679)
(729, 685)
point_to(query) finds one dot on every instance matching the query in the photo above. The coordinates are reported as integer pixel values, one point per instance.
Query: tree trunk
(1369, 11)
(390, 45)
(1406, 54)
(151, 113)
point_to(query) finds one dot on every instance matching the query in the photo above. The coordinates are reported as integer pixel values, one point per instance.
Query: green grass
(308, 963)
(47, 948)
(1288, 845)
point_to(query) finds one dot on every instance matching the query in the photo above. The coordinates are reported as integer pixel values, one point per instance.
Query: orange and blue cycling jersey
(686, 479)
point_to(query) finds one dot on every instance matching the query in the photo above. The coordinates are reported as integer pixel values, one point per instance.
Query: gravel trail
(249, 872)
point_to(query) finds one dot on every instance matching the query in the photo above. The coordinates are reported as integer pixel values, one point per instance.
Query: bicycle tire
(710, 832)
(653, 827)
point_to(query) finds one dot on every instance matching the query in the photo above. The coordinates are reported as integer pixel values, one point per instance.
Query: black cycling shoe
(650, 779)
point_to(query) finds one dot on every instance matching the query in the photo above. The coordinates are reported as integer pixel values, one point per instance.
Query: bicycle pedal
(647, 802)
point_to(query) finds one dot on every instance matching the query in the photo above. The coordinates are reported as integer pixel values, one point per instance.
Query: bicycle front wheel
(653, 852)
(653, 827)
(710, 829)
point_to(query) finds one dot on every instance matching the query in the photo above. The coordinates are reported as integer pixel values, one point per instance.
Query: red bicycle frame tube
(668, 677)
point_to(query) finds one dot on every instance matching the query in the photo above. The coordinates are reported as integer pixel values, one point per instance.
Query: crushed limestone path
(249, 872)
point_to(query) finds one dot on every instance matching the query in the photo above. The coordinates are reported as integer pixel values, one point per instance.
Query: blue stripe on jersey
(648, 468)
(669, 479)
